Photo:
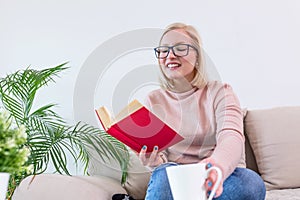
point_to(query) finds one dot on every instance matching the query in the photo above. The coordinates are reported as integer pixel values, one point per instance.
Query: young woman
(207, 114)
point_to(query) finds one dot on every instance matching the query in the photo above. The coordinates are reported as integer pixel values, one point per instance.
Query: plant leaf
(50, 139)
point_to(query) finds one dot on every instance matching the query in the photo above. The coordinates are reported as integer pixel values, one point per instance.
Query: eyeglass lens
(178, 50)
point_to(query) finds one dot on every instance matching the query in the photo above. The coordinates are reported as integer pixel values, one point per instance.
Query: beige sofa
(272, 149)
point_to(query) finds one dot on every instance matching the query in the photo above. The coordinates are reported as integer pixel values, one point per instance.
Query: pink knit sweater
(211, 121)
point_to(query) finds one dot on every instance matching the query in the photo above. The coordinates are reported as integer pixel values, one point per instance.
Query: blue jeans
(243, 184)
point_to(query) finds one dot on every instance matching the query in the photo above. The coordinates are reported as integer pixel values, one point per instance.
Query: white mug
(187, 181)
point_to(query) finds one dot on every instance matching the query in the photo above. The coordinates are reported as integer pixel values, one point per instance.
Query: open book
(136, 126)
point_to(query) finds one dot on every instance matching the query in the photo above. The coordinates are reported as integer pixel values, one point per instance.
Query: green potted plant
(13, 152)
(49, 137)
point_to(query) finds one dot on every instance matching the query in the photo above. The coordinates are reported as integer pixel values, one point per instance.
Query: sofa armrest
(55, 186)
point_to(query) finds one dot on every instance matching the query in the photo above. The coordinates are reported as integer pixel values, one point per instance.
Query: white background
(254, 44)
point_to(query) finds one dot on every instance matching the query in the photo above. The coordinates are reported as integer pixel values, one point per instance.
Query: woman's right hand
(150, 160)
(212, 177)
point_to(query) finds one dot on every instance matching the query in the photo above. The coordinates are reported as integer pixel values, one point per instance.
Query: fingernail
(144, 147)
(209, 184)
(208, 193)
(209, 165)
(156, 147)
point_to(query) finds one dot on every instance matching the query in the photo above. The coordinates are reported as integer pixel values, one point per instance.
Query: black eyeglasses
(179, 50)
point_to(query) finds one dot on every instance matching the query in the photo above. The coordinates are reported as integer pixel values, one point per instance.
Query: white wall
(253, 44)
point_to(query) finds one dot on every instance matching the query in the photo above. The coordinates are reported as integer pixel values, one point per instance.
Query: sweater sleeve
(229, 132)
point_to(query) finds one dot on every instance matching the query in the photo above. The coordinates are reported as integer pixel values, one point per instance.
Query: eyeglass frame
(172, 47)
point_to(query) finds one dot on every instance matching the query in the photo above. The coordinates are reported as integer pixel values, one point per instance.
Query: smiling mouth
(173, 65)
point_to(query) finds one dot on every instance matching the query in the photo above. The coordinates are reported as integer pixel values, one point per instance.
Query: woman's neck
(180, 86)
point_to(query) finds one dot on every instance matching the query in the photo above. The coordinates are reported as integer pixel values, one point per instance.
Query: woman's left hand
(212, 178)
(152, 160)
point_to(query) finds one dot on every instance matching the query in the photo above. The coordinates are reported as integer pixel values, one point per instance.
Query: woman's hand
(212, 178)
(152, 160)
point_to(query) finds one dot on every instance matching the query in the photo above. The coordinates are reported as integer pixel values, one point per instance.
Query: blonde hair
(200, 79)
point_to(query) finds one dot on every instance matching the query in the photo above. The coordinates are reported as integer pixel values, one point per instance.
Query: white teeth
(173, 65)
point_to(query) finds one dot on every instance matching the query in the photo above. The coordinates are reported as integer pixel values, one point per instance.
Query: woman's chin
(175, 76)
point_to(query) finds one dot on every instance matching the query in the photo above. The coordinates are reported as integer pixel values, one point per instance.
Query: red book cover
(136, 126)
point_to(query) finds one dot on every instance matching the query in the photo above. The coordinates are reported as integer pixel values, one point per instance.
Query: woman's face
(175, 67)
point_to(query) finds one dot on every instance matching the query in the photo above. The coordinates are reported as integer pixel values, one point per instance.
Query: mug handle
(219, 172)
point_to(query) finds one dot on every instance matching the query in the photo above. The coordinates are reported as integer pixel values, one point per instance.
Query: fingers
(211, 181)
(142, 155)
(218, 193)
(153, 155)
(147, 160)
(212, 177)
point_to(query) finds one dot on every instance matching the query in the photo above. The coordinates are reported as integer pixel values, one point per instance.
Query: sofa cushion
(55, 186)
(137, 178)
(274, 135)
(290, 194)
(109, 167)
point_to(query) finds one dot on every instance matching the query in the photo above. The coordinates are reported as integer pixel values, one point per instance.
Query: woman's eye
(163, 50)
(181, 48)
